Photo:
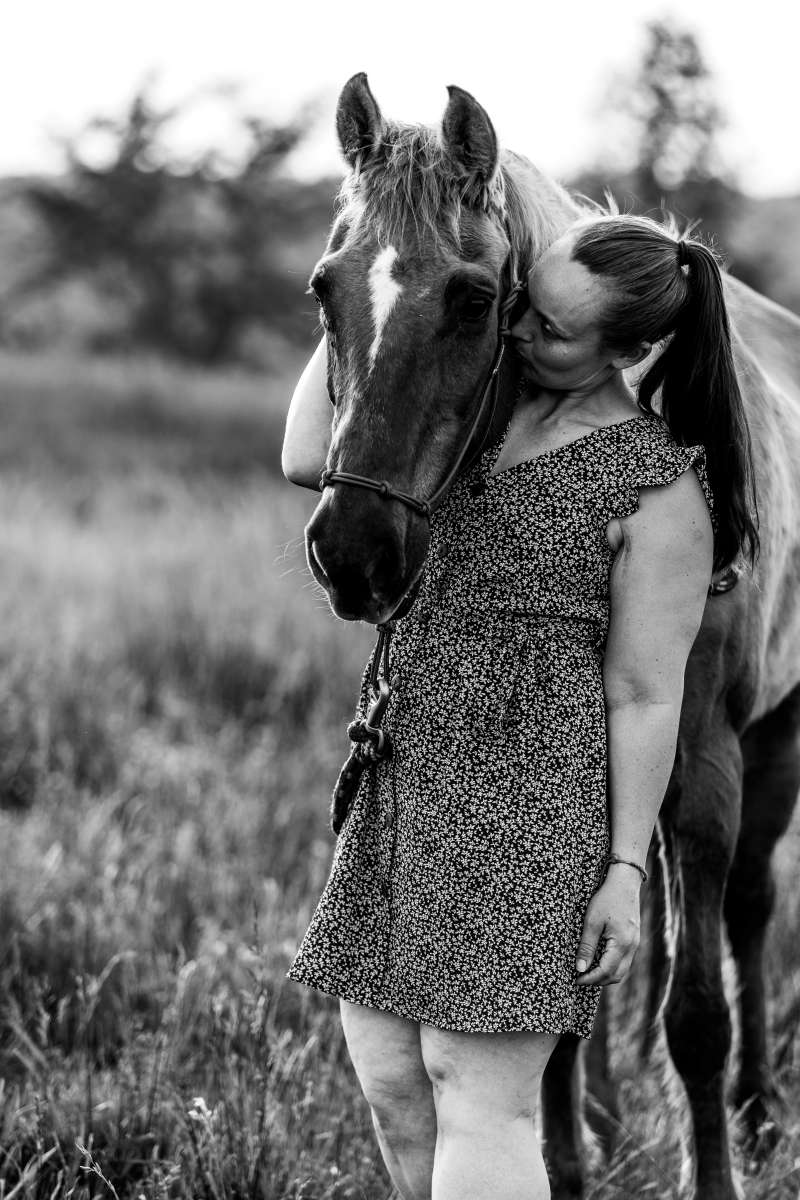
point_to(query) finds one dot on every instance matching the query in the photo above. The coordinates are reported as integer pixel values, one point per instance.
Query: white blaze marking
(385, 292)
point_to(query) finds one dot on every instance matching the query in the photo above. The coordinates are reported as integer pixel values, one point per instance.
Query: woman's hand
(308, 424)
(613, 913)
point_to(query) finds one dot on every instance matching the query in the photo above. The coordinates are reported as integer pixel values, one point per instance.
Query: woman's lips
(524, 354)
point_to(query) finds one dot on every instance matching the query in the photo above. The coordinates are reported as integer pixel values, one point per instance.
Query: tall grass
(173, 701)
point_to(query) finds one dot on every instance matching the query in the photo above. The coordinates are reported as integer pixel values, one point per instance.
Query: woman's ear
(629, 358)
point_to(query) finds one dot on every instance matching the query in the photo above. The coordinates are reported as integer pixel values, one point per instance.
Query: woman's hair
(667, 285)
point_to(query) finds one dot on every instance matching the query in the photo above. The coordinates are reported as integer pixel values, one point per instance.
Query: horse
(430, 229)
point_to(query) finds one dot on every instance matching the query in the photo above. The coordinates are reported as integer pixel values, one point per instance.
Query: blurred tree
(678, 115)
(192, 254)
(673, 120)
(661, 152)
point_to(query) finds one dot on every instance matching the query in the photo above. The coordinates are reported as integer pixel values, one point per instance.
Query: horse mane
(537, 209)
(412, 177)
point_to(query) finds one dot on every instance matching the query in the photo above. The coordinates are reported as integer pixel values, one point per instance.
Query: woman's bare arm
(308, 424)
(658, 591)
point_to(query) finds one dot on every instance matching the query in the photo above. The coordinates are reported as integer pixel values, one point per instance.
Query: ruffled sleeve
(661, 463)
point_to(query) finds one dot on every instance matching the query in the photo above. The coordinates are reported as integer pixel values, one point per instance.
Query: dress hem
(395, 1010)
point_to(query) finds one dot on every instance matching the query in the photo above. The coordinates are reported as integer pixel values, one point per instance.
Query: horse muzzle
(364, 553)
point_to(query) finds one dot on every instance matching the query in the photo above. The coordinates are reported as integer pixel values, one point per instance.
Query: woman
(511, 893)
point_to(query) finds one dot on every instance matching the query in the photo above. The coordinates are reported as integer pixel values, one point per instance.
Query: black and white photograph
(400, 655)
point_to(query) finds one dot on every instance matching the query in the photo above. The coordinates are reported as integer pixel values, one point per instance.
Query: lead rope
(370, 742)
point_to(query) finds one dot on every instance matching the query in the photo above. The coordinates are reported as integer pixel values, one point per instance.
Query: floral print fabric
(461, 877)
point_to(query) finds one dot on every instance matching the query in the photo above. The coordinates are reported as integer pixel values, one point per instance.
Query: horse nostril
(388, 561)
(312, 551)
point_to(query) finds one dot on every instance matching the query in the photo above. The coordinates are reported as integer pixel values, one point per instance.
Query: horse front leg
(563, 1095)
(601, 1099)
(771, 750)
(561, 1120)
(703, 824)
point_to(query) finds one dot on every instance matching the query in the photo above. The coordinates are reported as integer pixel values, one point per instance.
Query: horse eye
(476, 308)
(319, 285)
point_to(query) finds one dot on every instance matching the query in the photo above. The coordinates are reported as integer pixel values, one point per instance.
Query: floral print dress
(461, 877)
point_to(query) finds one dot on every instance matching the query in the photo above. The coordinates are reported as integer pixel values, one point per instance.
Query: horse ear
(469, 135)
(359, 123)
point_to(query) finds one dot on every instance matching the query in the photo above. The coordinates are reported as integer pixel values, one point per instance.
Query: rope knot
(371, 744)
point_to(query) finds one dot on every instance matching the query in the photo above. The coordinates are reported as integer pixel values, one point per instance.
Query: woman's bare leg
(387, 1058)
(486, 1091)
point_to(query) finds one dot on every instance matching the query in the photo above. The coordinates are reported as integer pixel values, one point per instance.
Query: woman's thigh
(496, 1074)
(386, 1054)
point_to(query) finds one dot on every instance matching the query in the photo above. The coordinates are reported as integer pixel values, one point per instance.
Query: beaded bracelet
(615, 858)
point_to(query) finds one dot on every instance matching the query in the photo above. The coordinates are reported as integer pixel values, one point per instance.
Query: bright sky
(541, 70)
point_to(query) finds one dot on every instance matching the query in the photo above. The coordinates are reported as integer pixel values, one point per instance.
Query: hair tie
(683, 253)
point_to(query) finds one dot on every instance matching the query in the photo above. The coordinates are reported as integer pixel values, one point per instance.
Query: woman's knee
(387, 1058)
(485, 1078)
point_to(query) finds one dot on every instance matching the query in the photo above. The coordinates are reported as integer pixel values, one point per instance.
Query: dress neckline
(494, 452)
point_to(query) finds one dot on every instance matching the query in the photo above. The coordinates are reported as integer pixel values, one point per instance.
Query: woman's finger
(610, 961)
(615, 974)
(621, 971)
(593, 925)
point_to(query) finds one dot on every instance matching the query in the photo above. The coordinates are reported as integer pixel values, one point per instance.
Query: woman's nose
(523, 328)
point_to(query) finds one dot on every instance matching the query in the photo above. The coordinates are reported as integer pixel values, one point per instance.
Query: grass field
(173, 703)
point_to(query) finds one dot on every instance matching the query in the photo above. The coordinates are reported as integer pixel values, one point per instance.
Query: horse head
(428, 231)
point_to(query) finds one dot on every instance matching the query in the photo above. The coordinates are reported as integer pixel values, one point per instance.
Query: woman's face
(558, 337)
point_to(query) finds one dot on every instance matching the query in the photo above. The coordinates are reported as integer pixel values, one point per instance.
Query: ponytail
(701, 402)
(667, 287)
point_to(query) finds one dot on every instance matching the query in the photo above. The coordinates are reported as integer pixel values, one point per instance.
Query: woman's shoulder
(656, 458)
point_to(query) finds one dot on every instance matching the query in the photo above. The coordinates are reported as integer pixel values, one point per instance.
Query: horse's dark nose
(356, 584)
(347, 587)
(356, 550)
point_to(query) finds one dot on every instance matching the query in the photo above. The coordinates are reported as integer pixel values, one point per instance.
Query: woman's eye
(547, 329)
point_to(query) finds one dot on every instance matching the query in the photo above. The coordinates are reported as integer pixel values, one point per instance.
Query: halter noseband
(487, 403)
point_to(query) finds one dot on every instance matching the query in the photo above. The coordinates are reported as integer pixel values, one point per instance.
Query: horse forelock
(412, 182)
